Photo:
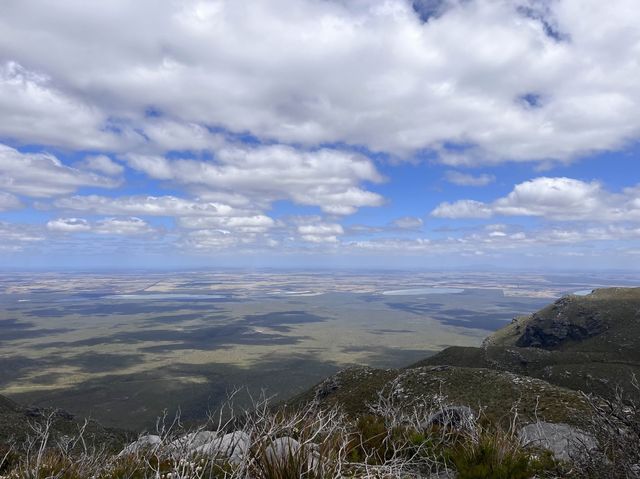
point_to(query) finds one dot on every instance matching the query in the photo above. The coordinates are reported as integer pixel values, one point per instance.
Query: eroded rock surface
(562, 440)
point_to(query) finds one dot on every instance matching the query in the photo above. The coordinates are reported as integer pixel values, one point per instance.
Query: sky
(320, 133)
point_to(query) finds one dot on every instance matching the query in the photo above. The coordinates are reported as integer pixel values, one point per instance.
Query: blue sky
(308, 133)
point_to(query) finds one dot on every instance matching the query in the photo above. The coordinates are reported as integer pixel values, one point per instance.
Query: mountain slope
(589, 343)
(18, 422)
(495, 392)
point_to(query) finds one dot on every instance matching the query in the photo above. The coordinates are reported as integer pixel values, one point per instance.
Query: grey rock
(280, 449)
(563, 440)
(146, 442)
(233, 446)
(190, 442)
(456, 417)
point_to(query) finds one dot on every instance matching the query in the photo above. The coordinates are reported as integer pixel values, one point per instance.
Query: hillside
(493, 392)
(18, 422)
(589, 343)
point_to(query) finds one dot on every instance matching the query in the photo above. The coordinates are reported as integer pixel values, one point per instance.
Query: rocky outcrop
(233, 446)
(564, 441)
(564, 321)
(142, 444)
(455, 417)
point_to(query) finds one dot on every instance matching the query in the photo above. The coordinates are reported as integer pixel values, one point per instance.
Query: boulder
(455, 417)
(564, 441)
(189, 443)
(144, 443)
(233, 446)
(281, 449)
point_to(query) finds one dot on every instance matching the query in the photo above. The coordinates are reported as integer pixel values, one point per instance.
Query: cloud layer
(504, 80)
(295, 126)
(563, 199)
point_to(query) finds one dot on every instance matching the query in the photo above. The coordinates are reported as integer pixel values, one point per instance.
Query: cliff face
(564, 322)
(606, 320)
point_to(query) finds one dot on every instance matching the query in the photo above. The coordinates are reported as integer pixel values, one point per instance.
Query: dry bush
(393, 441)
(616, 425)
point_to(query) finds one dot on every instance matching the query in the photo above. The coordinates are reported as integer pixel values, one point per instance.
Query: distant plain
(123, 347)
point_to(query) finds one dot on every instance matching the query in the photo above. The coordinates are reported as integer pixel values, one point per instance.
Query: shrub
(312, 443)
(616, 425)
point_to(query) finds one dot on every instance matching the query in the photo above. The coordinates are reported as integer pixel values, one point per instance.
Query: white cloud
(241, 224)
(102, 164)
(16, 237)
(34, 111)
(69, 225)
(320, 232)
(143, 206)
(408, 222)
(462, 209)
(166, 135)
(189, 214)
(396, 246)
(208, 240)
(326, 178)
(122, 226)
(365, 73)
(465, 179)
(545, 241)
(564, 199)
(129, 226)
(9, 202)
(42, 175)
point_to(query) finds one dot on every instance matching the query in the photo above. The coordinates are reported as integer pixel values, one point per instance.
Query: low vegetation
(430, 439)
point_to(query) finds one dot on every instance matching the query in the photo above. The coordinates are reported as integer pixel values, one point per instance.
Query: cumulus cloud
(241, 224)
(407, 222)
(42, 175)
(465, 179)
(17, 237)
(462, 209)
(122, 226)
(565, 199)
(9, 202)
(34, 111)
(399, 246)
(394, 76)
(504, 241)
(208, 240)
(69, 225)
(108, 226)
(321, 232)
(102, 164)
(142, 205)
(326, 178)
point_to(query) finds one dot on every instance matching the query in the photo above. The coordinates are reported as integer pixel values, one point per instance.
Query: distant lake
(417, 291)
